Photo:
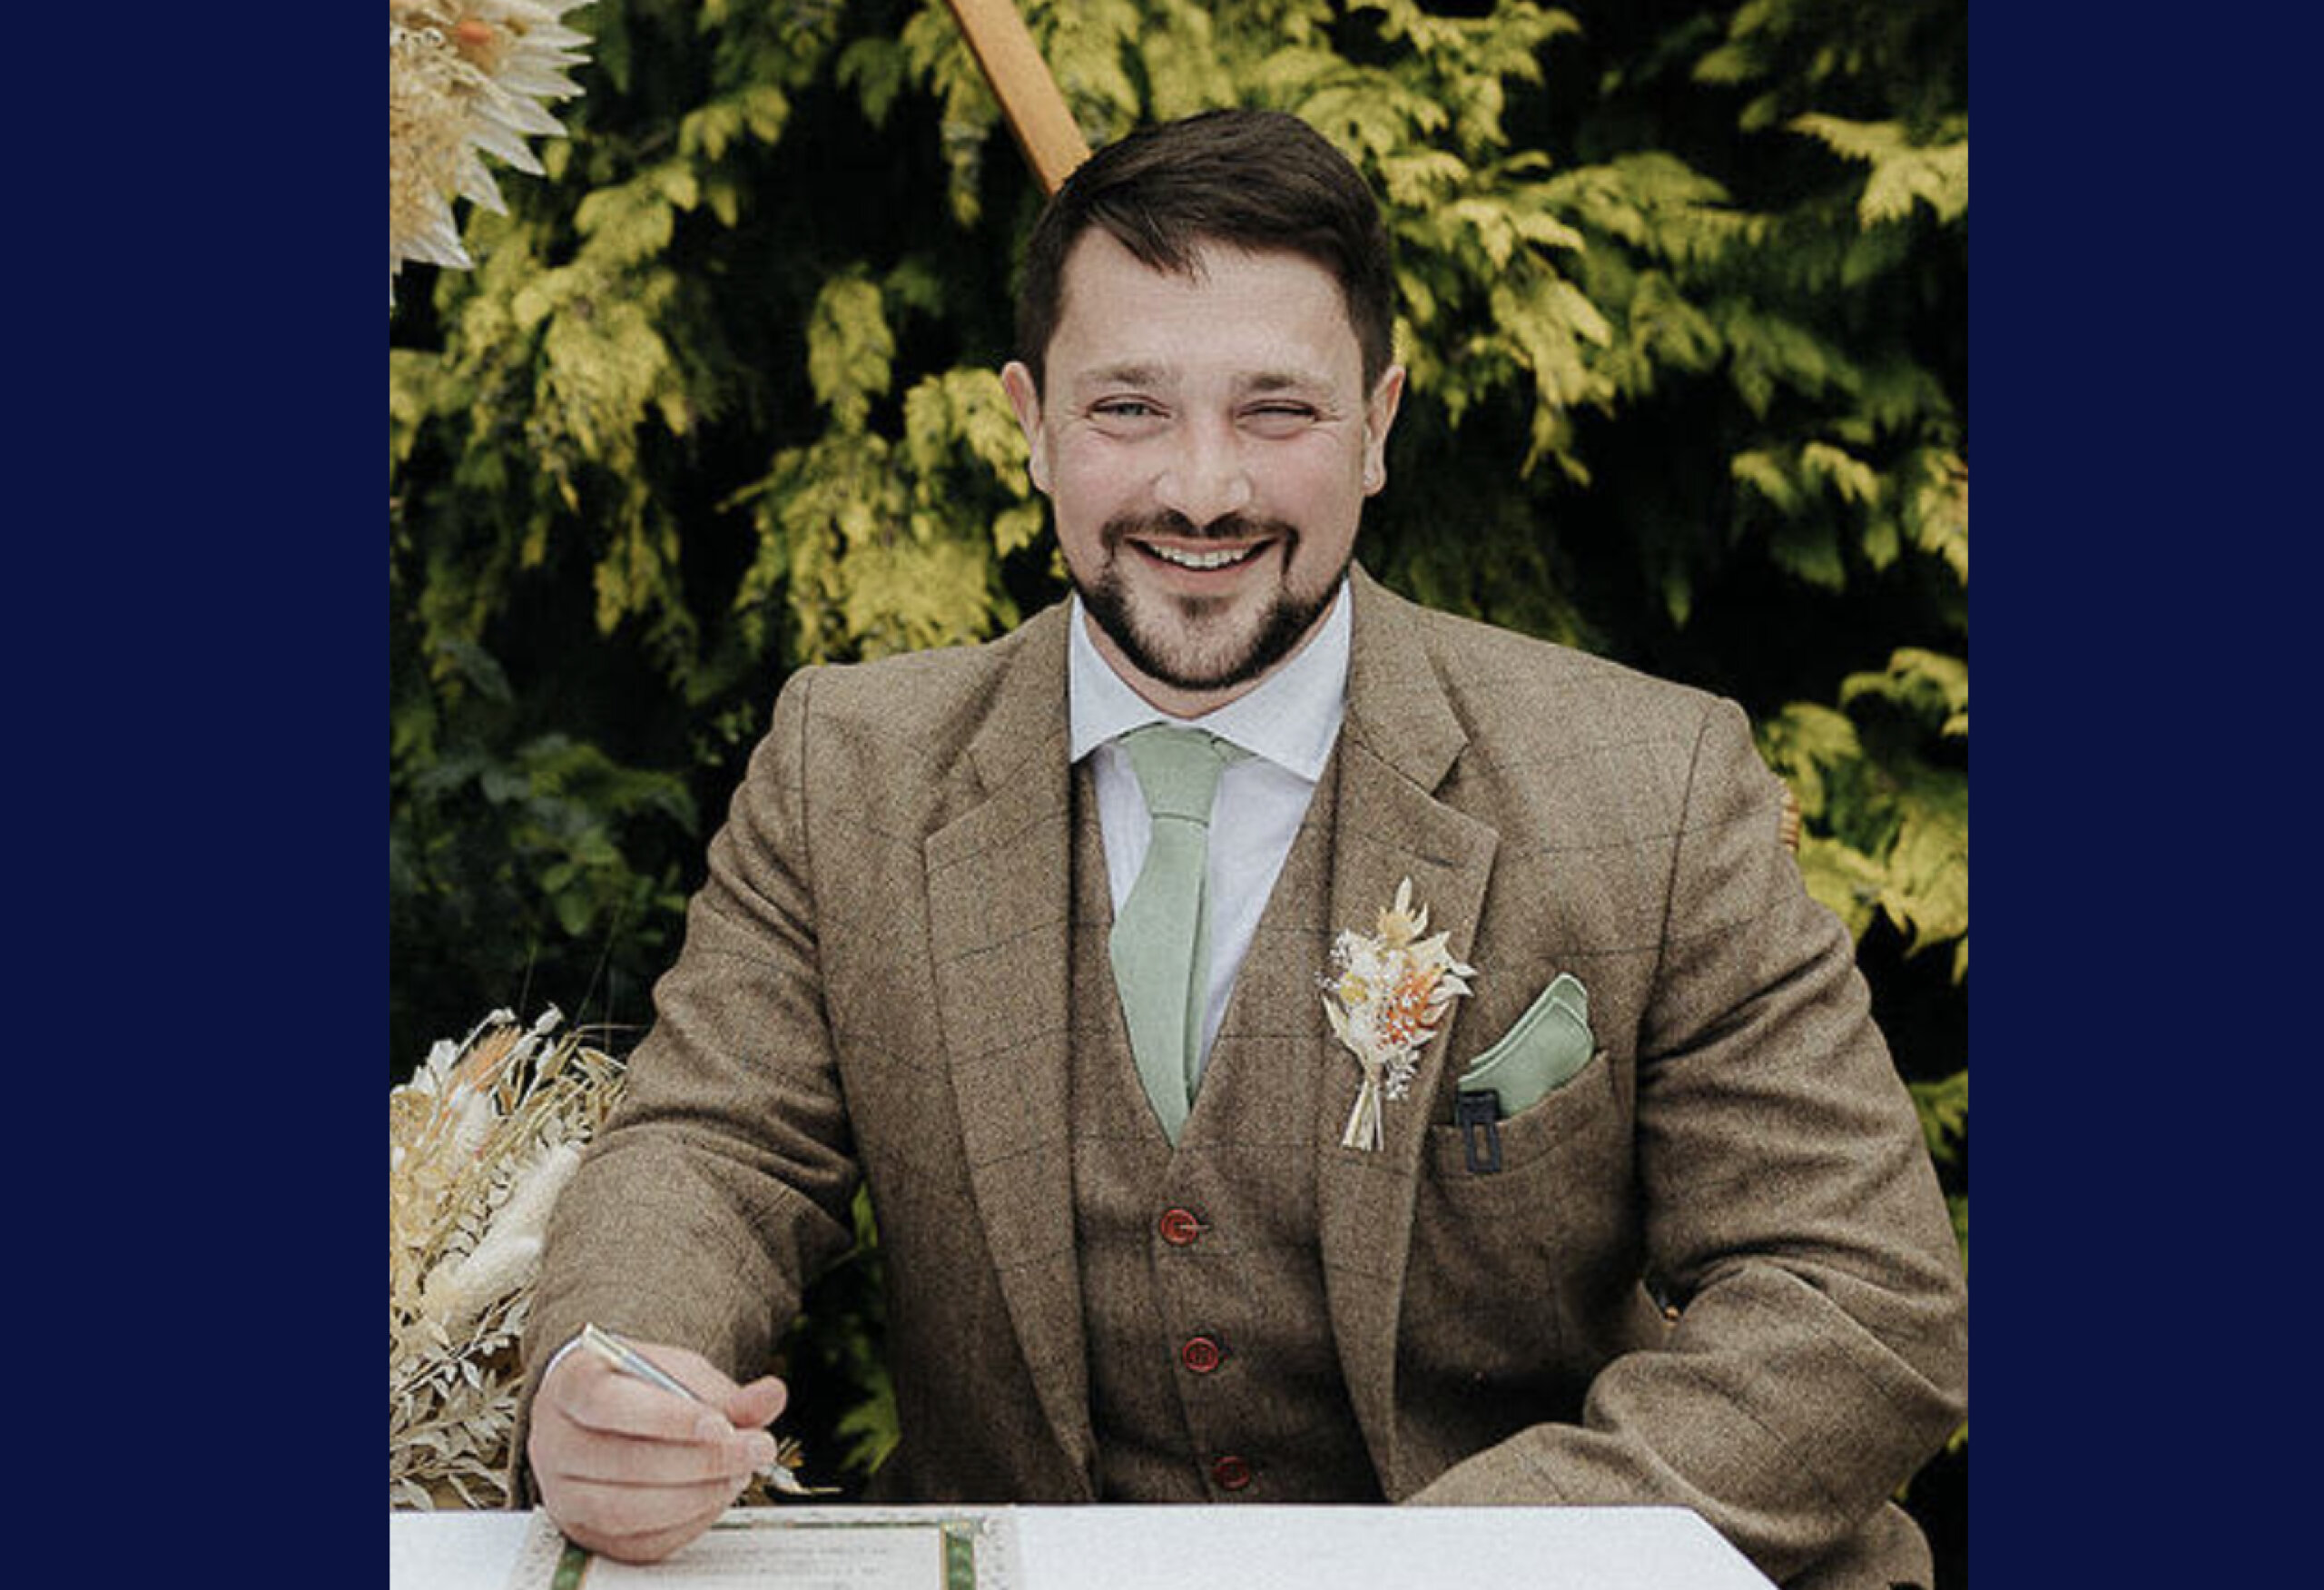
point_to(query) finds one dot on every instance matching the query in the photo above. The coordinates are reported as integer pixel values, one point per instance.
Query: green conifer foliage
(1684, 303)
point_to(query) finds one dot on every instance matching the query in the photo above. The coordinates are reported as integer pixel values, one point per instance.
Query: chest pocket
(1570, 1135)
(1516, 1263)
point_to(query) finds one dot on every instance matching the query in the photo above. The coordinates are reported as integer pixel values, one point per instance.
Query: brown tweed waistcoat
(1213, 1374)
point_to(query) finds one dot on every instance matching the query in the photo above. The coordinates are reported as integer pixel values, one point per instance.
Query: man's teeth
(1218, 560)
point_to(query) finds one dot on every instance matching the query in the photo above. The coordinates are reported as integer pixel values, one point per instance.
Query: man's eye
(1125, 409)
(1273, 418)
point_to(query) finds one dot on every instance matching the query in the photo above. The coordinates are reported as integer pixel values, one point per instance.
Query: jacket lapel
(1000, 897)
(1397, 744)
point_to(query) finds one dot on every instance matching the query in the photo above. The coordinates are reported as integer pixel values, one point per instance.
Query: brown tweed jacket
(874, 982)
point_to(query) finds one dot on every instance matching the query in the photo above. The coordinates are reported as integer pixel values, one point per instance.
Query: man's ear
(1025, 398)
(1379, 415)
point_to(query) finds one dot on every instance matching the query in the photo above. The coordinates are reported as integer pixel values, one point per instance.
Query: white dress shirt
(1287, 724)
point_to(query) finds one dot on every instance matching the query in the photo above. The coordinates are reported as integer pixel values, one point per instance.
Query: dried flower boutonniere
(1385, 996)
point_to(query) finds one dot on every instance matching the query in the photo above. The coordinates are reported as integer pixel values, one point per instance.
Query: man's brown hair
(1261, 181)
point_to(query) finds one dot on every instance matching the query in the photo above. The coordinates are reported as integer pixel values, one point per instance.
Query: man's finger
(640, 1526)
(616, 1404)
(689, 1369)
(612, 1459)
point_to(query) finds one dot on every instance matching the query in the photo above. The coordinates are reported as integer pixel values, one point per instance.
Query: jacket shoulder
(1500, 679)
(928, 708)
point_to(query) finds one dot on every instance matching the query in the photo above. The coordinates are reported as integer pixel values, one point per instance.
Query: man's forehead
(1130, 320)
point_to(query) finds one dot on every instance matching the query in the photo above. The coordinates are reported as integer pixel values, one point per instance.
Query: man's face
(1206, 445)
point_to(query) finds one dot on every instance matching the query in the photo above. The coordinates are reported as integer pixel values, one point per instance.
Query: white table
(1240, 1548)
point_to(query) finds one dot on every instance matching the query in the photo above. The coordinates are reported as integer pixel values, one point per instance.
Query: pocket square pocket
(1548, 1044)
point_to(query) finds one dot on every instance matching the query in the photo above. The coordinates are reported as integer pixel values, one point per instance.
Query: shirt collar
(1291, 719)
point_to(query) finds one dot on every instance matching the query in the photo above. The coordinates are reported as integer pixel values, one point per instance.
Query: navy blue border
(2143, 370)
(198, 666)
(194, 566)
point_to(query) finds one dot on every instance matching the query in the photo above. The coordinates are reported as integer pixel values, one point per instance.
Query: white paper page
(797, 1549)
(887, 1557)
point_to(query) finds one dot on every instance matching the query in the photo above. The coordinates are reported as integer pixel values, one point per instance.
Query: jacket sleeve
(1818, 1356)
(722, 1182)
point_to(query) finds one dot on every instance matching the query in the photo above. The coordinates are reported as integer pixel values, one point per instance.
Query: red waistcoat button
(1230, 1473)
(1179, 1227)
(1200, 1354)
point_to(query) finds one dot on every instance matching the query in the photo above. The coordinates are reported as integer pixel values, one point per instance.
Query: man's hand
(633, 1471)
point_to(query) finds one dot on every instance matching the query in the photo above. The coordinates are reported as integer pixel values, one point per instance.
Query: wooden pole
(1020, 80)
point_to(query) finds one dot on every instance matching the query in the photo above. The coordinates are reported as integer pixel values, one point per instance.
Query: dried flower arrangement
(1384, 995)
(480, 1142)
(464, 76)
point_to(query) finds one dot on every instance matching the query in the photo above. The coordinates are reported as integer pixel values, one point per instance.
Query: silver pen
(627, 1361)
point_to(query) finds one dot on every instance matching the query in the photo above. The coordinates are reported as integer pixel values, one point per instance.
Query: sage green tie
(1161, 939)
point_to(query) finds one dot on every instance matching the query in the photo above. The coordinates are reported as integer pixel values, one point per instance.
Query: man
(1173, 1247)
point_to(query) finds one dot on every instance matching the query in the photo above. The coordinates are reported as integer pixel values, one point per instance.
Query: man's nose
(1205, 476)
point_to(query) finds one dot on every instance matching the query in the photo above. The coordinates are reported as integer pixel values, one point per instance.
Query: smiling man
(1214, 431)
(1606, 1191)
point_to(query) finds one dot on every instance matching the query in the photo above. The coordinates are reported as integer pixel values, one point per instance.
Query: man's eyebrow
(1280, 381)
(1147, 374)
(1121, 375)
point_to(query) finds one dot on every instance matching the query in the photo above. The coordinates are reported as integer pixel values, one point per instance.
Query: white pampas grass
(480, 1142)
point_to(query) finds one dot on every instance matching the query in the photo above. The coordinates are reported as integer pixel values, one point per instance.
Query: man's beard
(1182, 654)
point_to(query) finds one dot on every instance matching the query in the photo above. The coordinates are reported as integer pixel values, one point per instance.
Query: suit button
(1179, 1227)
(1201, 1354)
(1230, 1473)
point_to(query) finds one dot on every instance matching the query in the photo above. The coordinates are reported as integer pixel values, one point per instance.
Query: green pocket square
(1550, 1043)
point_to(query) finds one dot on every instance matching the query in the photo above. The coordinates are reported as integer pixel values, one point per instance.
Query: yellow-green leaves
(1932, 686)
(868, 561)
(849, 350)
(1884, 791)
(1935, 487)
(757, 110)
(1905, 172)
(880, 543)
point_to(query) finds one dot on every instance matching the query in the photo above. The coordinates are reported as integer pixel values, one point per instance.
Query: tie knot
(1177, 768)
